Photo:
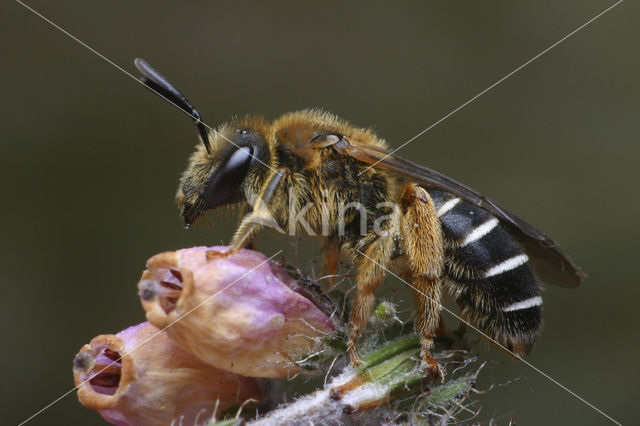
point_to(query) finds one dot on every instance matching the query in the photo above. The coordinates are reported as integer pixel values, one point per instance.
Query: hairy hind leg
(423, 243)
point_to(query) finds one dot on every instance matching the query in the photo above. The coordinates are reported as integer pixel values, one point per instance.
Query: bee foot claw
(435, 371)
(353, 355)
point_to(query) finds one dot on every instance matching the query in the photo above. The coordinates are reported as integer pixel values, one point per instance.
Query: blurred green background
(90, 162)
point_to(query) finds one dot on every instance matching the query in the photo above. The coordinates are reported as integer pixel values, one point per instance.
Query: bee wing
(548, 261)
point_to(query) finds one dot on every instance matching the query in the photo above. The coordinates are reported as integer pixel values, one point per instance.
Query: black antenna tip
(161, 86)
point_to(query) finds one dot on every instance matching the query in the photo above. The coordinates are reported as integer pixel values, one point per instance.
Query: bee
(441, 236)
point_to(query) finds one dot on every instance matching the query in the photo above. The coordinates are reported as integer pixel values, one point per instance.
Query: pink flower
(238, 313)
(139, 377)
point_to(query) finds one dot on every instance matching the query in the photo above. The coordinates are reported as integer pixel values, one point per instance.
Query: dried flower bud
(140, 376)
(236, 312)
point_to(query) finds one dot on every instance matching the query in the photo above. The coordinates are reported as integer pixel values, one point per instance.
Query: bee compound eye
(227, 178)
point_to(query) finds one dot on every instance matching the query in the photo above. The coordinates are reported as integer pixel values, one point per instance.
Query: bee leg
(331, 262)
(423, 243)
(249, 242)
(442, 329)
(371, 265)
(259, 216)
(428, 315)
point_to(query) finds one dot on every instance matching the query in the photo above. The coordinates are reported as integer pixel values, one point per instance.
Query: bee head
(233, 171)
(231, 163)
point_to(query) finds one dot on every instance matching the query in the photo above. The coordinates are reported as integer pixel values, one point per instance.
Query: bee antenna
(162, 87)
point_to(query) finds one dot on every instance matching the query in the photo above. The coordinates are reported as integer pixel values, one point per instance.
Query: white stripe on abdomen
(448, 206)
(507, 265)
(480, 231)
(525, 304)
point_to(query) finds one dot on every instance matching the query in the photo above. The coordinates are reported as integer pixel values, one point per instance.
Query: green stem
(390, 350)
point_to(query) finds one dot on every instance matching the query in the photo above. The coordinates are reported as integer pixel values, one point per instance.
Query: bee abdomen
(488, 273)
